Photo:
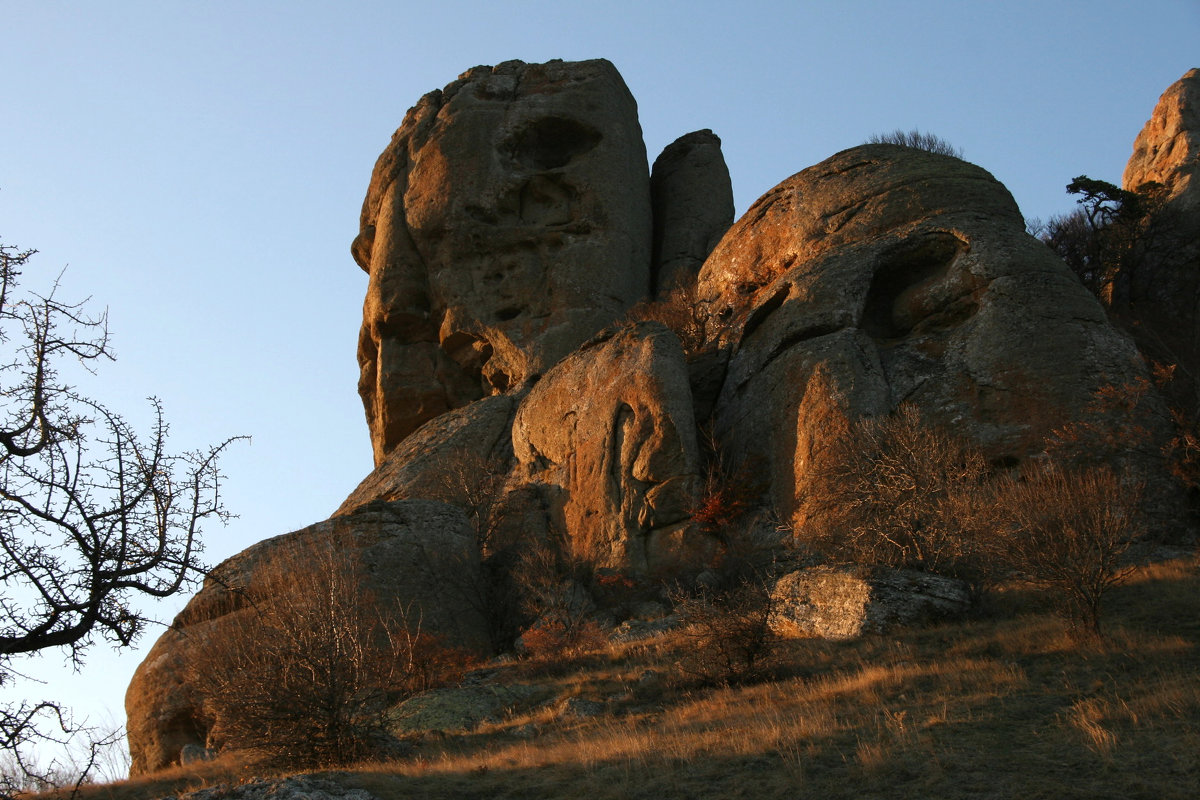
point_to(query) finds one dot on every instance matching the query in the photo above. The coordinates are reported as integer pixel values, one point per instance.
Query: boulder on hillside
(888, 275)
(609, 434)
(692, 199)
(508, 221)
(420, 556)
(847, 602)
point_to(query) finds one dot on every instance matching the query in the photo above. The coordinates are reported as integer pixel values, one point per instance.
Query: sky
(197, 168)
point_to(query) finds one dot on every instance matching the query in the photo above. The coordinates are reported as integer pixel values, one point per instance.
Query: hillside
(690, 502)
(1004, 705)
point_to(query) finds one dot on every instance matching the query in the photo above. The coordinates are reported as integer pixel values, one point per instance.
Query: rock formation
(507, 222)
(1160, 274)
(412, 553)
(509, 228)
(692, 198)
(1167, 151)
(609, 434)
(888, 275)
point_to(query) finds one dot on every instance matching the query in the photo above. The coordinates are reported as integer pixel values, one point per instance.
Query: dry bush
(903, 494)
(679, 311)
(475, 482)
(921, 141)
(303, 675)
(550, 586)
(1067, 530)
(727, 629)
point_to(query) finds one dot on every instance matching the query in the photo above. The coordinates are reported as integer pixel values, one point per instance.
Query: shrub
(303, 675)
(921, 141)
(680, 312)
(727, 630)
(1066, 530)
(550, 584)
(902, 493)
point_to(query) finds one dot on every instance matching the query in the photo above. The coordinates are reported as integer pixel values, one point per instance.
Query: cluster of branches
(93, 515)
(1105, 241)
(928, 142)
(909, 494)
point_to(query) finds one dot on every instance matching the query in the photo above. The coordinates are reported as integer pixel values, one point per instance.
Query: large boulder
(888, 275)
(419, 556)
(609, 437)
(692, 198)
(847, 602)
(507, 222)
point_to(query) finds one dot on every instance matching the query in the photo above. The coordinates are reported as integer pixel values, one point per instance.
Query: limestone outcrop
(692, 198)
(1159, 277)
(506, 223)
(1167, 151)
(609, 434)
(408, 553)
(522, 416)
(889, 275)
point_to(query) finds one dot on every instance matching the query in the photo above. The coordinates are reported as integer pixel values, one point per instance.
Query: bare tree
(904, 494)
(1067, 531)
(303, 675)
(93, 515)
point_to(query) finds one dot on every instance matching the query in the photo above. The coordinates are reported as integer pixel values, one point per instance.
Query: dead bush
(726, 628)
(679, 311)
(930, 143)
(302, 675)
(899, 492)
(1067, 529)
(551, 588)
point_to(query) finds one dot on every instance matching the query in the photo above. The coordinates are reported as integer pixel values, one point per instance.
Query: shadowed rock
(692, 198)
(410, 554)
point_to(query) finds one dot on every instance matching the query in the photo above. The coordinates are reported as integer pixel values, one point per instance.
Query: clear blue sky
(200, 168)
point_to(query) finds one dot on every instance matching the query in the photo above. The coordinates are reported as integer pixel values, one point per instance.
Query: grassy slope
(1007, 706)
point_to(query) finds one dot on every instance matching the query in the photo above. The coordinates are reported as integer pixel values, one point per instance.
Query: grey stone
(692, 199)
(847, 602)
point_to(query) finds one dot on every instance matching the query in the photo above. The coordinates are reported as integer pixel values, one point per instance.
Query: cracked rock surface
(888, 275)
(506, 223)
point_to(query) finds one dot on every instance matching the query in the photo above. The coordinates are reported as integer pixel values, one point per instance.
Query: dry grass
(1008, 706)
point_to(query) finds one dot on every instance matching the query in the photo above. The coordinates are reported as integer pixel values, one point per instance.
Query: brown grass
(1008, 706)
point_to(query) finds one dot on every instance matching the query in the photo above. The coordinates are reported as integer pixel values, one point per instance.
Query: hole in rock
(510, 312)
(551, 142)
(897, 298)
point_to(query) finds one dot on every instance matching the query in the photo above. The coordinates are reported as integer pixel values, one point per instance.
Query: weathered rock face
(692, 198)
(843, 603)
(888, 275)
(448, 458)
(408, 552)
(1160, 278)
(507, 222)
(609, 439)
(1167, 151)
